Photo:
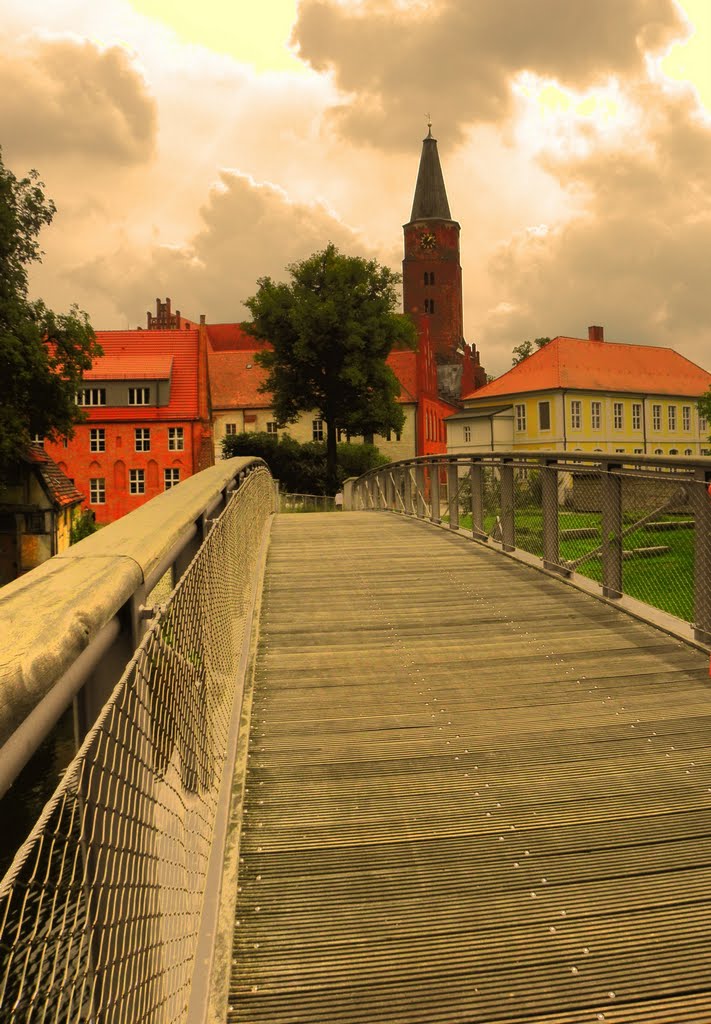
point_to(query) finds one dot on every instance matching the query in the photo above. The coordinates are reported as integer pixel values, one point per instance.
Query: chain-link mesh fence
(306, 503)
(637, 529)
(99, 912)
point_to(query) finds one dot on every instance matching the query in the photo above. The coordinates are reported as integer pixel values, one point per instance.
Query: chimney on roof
(202, 318)
(596, 333)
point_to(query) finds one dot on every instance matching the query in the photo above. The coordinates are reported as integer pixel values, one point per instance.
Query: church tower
(431, 272)
(432, 277)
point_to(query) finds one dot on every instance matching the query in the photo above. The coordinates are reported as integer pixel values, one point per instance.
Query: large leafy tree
(526, 348)
(42, 354)
(332, 327)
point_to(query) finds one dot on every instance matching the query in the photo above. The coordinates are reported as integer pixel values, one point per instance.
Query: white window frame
(317, 430)
(671, 417)
(171, 477)
(636, 415)
(97, 490)
(618, 415)
(520, 411)
(656, 417)
(272, 427)
(91, 396)
(142, 443)
(467, 433)
(686, 417)
(139, 396)
(230, 429)
(97, 439)
(136, 481)
(176, 439)
(595, 415)
(576, 414)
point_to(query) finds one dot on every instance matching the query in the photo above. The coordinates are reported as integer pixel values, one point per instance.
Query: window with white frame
(139, 396)
(271, 427)
(658, 451)
(673, 451)
(688, 451)
(91, 396)
(544, 415)
(176, 439)
(656, 419)
(595, 415)
(467, 433)
(702, 424)
(317, 430)
(171, 477)
(97, 439)
(576, 414)
(142, 439)
(636, 416)
(618, 415)
(638, 451)
(686, 417)
(230, 428)
(136, 481)
(521, 418)
(671, 416)
(97, 490)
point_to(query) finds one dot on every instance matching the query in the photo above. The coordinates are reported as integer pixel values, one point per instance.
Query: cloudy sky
(192, 148)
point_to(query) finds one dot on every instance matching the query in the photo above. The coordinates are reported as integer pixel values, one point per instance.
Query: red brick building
(148, 423)
(432, 278)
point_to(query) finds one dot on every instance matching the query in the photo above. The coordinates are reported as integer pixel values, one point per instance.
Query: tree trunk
(331, 458)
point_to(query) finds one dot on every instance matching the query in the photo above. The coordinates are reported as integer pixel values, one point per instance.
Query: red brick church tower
(432, 277)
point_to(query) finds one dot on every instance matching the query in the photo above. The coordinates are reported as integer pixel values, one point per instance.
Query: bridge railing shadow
(635, 530)
(102, 910)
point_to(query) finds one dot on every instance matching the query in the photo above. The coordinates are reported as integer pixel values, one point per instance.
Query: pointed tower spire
(430, 200)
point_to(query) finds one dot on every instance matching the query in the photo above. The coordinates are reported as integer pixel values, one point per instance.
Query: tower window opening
(429, 306)
(429, 277)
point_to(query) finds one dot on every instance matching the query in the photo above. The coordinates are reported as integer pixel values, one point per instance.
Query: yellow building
(588, 396)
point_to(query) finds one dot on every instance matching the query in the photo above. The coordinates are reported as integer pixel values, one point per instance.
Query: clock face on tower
(427, 240)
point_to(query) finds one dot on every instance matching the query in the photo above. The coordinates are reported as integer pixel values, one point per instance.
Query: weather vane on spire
(429, 125)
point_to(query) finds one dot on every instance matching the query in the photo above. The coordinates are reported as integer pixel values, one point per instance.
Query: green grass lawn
(665, 581)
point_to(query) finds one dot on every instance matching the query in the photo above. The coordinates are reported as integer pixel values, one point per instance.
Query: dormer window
(91, 396)
(139, 396)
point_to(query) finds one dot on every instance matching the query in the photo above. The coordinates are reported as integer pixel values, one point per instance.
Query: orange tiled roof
(404, 365)
(600, 366)
(126, 351)
(232, 337)
(138, 367)
(235, 379)
(59, 487)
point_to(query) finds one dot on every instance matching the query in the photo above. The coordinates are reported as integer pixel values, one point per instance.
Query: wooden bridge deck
(474, 794)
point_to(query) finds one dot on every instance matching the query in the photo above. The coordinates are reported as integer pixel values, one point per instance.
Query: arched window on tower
(429, 277)
(429, 306)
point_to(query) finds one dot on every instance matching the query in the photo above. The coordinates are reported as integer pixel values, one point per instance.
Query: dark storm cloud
(66, 97)
(457, 57)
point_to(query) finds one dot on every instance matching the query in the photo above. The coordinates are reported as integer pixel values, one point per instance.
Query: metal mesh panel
(528, 517)
(658, 541)
(491, 500)
(580, 520)
(99, 913)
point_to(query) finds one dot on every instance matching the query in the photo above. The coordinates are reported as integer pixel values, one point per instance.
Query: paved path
(474, 794)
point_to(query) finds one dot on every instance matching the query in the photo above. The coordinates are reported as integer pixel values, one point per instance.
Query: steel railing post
(407, 490)
(611, 523)
(420, 495)
(434, 491)
(476, 475)
(549, 508)
(508, 521)
(453, 494)
(701, 505)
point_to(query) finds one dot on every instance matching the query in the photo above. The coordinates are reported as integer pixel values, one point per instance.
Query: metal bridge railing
(306, 503)
(101, 912)
(635, 529)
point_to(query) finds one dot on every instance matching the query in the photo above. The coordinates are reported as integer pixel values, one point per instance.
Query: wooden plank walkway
(474, 793)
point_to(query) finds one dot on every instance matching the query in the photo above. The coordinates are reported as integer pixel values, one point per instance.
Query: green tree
(42, 354)
(524, 350)
(332, 328)
(705, 408)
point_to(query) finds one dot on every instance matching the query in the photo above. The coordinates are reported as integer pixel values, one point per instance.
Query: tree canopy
(332, 328)
(42, 354)
(525, 349)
